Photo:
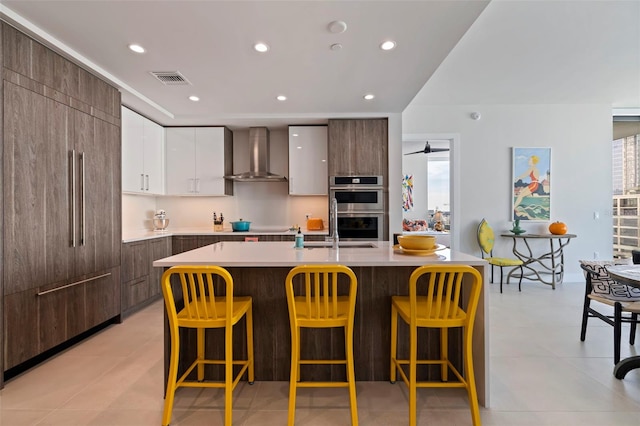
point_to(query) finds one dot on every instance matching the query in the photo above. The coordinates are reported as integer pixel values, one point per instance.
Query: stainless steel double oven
(360, 206)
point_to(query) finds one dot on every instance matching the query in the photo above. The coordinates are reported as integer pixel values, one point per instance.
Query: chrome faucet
(334, 223)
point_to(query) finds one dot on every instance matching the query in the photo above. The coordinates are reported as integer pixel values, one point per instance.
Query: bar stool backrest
(328, 297)
(444, 285)
(201, 303)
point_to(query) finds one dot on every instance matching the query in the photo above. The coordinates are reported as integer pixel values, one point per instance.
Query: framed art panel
(531, 184)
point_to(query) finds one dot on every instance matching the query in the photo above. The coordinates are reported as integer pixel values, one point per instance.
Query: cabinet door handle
(73, 198)
(197, 185)
(82, 201)
(147, 179)
(141, 181)
(192, 185)
(42, 293)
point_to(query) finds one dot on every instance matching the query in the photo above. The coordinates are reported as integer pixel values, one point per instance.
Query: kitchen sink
(343, 244)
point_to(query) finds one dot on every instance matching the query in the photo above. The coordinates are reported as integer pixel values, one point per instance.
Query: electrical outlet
(596, 255)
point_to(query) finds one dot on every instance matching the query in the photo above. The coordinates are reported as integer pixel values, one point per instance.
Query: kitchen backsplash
(264, 204)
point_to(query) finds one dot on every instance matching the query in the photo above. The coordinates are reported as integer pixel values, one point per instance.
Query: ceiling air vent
(171, 78)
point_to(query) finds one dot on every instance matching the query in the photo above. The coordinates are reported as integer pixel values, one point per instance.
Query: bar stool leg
(295, 369)
(444, 354)
(249, 322)
(351, 375)
(471, 380)
(228, 374)
(394, 343)
(200, 355)
(172, 377)
(413, 365)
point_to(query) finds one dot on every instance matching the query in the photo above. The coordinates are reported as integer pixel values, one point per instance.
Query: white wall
(580, 141)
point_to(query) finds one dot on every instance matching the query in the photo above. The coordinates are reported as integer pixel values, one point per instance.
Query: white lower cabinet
(308, 160)
(142, 154)
(197, 159)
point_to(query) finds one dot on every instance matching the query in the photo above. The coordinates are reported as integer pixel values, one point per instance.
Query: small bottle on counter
(299, 240)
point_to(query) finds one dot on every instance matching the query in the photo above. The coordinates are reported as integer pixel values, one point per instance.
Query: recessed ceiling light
(335, 46)
(295, 135)
(337, 27)
(194, 98)
(136, 48)
(281, 98)
(299, 147)
(388, 45)
(369, 96)
(261, 47)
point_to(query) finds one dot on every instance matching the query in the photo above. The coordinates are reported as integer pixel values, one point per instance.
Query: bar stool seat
(321, 296)
(444, 305)
(204, 309)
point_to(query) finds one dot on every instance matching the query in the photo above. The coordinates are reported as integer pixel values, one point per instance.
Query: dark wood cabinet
(159, 248)
(102, 298)
(134, 274)
(61, 199)
(140, 280)
(97, 145)
(41, 318)
(180, 244)
(358, 147)
(31, 59)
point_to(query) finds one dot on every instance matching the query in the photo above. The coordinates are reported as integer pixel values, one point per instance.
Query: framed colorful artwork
(531, 184)
(407, 193)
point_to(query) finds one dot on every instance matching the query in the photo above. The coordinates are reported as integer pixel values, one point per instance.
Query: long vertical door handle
(141, 181)
(197, 185)
(72, 197)
(82, 194)
(147, 178)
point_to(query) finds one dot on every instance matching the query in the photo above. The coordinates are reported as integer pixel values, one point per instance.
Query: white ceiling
(467, 52)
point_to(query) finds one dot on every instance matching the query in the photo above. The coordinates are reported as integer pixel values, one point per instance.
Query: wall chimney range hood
(258, 159)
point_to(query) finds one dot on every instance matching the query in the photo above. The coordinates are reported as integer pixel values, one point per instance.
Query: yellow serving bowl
(417, 242)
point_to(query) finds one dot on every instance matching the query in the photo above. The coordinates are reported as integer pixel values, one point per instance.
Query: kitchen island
(259, 270)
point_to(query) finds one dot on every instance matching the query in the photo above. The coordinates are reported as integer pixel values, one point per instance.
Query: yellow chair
(324, 299)
(485, 241)
(204, 309)
(443, 308)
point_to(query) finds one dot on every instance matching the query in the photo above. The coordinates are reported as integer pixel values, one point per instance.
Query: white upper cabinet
(142, 154)
(308, 160)
(198, 158)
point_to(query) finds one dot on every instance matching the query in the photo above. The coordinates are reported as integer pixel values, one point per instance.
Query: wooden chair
(485, 241)
(599, 287)
(441, 307)
(204, 309)
(324, 299)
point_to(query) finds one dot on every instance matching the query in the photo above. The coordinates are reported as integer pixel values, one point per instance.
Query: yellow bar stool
(204, 309)
(444, 305)
(321, 296)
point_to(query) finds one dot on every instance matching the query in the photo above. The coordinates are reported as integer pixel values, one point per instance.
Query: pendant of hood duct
(258, 159)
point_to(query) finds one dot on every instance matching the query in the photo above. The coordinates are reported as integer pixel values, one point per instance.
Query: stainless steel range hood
(258, 159)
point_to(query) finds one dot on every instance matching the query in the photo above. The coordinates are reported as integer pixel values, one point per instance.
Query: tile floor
(541, 374)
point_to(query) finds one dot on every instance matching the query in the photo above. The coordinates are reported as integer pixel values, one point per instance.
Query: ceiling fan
(428, 150)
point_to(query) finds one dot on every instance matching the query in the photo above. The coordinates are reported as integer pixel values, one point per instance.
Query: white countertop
(274, 254)
(129, 236)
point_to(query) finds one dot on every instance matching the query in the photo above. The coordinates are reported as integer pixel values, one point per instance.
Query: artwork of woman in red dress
(534, 176)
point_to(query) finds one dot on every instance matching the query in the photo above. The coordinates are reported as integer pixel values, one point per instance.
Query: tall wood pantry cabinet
(61, 200)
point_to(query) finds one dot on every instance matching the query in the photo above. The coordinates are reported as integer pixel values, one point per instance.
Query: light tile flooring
(541, 374)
